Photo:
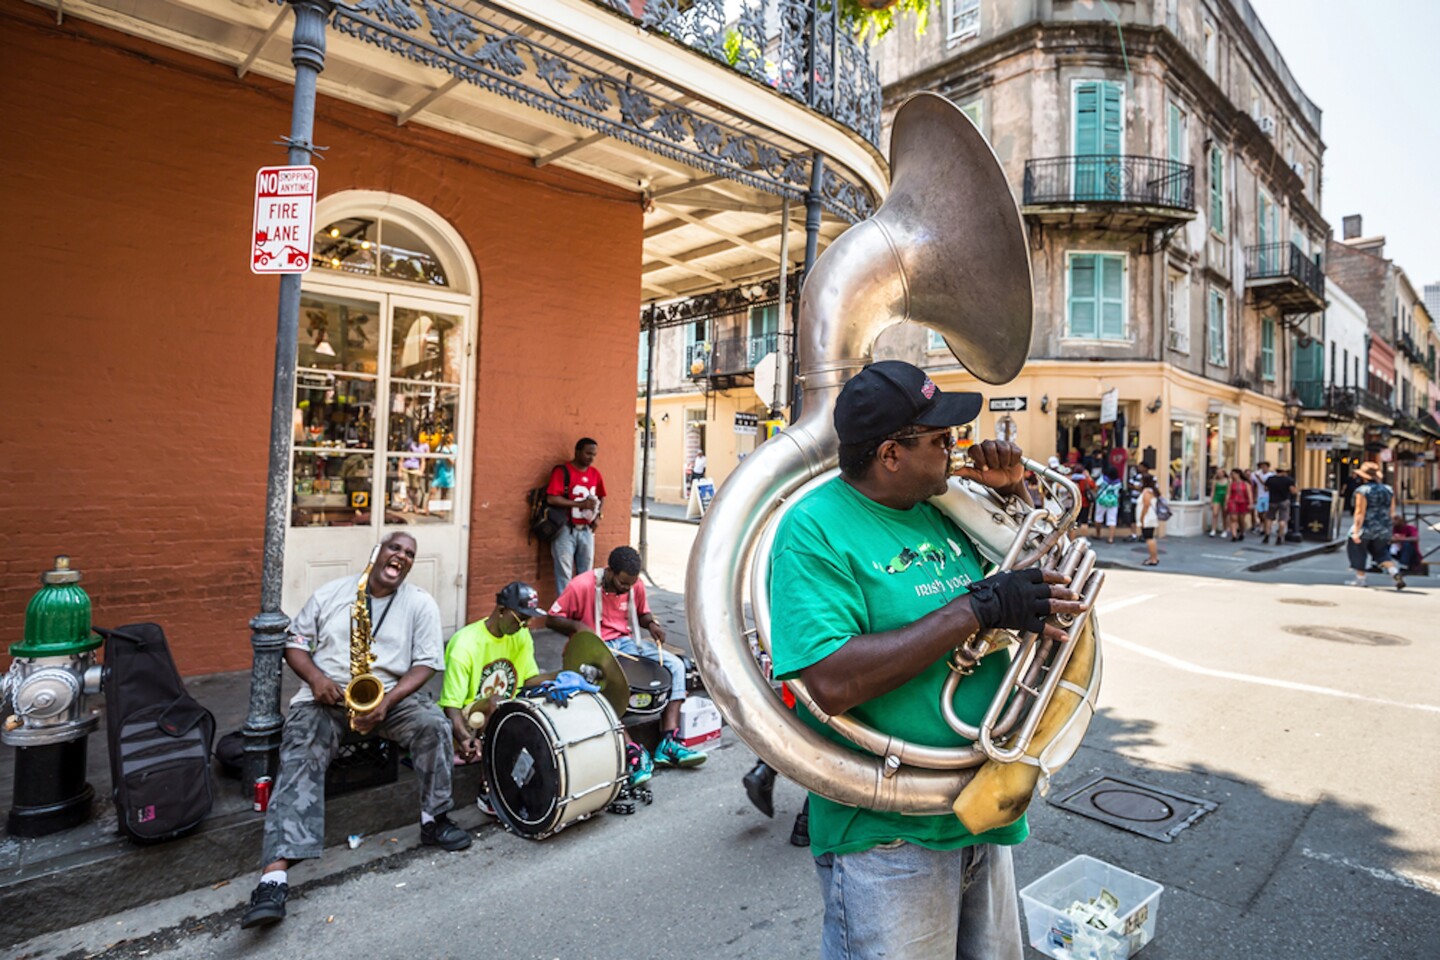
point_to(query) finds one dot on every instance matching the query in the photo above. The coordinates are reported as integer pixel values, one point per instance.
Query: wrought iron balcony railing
(1139, 181)
(1272, 261)
(798, 47)
(734, 356)
(1376, 402)
(1311, 393)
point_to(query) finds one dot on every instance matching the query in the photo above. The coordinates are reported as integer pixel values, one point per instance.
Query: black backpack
(546, 521)
(160, 737)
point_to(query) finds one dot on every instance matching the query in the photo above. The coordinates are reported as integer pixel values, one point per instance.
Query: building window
(1216, 329)
(1217, 190)
(1187, 475)
(1096, 296)
(962, 18)
(934, 343)
(643, 366)
(374, 247)
(1267, 348)
(1177, 311)
(975, 110)
(1097, 139)
(1212, 50)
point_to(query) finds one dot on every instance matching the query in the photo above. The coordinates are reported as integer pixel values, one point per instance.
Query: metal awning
(631, 99)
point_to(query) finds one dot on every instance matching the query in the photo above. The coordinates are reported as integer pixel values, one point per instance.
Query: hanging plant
(864, 16)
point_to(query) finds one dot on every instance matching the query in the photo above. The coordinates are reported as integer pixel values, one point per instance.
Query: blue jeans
(572, 549)
(670, 661)
(906, 901)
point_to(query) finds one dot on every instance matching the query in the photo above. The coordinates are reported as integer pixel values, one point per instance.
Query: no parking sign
(284, 226)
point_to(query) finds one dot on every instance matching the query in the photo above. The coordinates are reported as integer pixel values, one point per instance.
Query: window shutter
(1110, 120)
(1083, 306)
(1267, 348)
(1112, 297)
(1217, 189)
(1087, 119)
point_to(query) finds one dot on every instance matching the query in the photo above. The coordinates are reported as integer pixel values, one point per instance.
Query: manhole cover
(1362, 638)
(1307, 602)
(1137, 807)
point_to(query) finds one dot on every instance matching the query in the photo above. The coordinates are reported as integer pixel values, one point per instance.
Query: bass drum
(549, 766)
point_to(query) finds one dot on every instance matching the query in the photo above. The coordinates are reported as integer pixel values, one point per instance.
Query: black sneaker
(267, 905)
(441, 833)
(1399, 581)
(760, 788)
(482, 801)
(800, 833)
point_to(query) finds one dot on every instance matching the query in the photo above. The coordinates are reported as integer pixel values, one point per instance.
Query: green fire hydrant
(45, 700)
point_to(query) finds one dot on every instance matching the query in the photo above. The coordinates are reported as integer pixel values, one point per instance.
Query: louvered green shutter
(1267, 348)
(1083, 298)
(1112, 297)
(1098, 124)
(1217, 190)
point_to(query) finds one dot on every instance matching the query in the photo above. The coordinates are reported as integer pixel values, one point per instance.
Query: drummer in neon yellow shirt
(489, 661)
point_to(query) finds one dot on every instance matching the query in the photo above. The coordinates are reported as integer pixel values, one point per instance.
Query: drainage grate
(1137, 807)
(1362, 638)
(1307, 602)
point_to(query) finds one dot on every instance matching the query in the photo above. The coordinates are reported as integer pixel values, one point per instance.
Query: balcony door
(1098, 140)
(1268, 235)
(383, 394)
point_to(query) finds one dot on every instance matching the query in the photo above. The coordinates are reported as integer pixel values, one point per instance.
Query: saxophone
(364, 691)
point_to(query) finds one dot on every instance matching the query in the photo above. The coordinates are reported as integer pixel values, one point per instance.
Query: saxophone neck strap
(369, 601)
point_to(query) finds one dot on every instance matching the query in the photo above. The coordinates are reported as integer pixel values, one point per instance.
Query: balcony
(1109, 192)
(1281, 277)
(1374, 405)
(1411, 350)
(730, 362)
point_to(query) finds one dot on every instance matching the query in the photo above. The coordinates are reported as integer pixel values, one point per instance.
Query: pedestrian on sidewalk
(1281, 487)
(1239, 502)
(1405, 543)
(1219, 492)
(1107, 503)
(1372, 527)
(1149, 517)
(579, 486)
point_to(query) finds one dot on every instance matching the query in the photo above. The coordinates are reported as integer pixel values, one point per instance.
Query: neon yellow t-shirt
(843, 565)
(478, 663)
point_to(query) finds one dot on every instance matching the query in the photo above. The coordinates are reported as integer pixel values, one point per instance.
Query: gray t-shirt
(406, 636)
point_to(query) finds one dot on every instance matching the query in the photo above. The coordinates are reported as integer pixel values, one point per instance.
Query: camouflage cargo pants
(295, 823)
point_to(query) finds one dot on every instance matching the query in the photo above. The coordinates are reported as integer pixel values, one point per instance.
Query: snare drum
(549, 766)
(649, 687)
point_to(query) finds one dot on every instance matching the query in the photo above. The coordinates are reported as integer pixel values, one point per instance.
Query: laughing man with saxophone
(872, 587)
(363, 648)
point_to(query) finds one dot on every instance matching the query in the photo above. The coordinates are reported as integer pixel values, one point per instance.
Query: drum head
(520, 767)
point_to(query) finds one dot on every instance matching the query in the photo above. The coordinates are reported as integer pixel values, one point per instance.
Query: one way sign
(1007, 404)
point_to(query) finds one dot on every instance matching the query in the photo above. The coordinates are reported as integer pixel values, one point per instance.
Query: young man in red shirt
(623, 612)
(579, 486)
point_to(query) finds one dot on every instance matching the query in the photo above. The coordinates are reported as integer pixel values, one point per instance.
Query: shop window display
(1187, 479)
(369, 247)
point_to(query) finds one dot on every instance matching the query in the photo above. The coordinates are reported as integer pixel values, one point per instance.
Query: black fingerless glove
(1019, 600)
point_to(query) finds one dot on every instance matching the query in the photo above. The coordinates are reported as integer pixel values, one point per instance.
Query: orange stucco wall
(137, 394)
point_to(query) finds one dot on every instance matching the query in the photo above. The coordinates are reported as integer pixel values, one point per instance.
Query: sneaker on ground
(1354, 582)
(1399, 582)
(800, 833)
(486, 807)
(642, 767)
(673, 753)
(267, 905)
(441, 833)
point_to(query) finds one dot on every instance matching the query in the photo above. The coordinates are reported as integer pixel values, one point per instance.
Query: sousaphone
(947, 249)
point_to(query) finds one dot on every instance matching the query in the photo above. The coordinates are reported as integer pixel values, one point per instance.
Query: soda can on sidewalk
(262, 793)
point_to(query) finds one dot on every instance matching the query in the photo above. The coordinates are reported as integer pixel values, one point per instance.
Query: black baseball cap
(891, 395)
(520, 597)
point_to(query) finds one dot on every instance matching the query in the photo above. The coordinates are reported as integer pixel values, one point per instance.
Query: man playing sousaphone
(404, 641)
(872, 587)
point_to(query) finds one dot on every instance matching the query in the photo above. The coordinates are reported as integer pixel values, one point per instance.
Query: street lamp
(1293, 406)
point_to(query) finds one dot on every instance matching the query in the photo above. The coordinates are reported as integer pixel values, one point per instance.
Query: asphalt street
(1306, 711)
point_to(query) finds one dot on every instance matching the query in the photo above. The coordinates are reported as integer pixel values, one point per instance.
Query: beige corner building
(1168, 167)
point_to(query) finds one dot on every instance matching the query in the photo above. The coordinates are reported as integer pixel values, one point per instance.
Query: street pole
(267, 640)
(813, 212)
(650, 352)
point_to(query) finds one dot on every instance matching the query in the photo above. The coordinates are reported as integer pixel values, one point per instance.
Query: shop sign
(1007, 404)
(746, 422)
(1279, 434)
(283, 232)
(1110, 405)
(1324, 441)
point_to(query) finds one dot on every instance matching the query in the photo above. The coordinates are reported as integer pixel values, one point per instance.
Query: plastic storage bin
(1057, 935)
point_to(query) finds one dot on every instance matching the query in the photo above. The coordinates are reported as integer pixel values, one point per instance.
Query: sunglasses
(946, 433)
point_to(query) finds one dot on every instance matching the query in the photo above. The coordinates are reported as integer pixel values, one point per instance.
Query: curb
(1274, 562)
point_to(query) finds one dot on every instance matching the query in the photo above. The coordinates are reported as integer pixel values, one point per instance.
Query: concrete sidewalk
(49, 883)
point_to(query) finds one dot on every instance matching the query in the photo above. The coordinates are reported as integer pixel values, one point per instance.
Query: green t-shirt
(478, 663)
(844, 565)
